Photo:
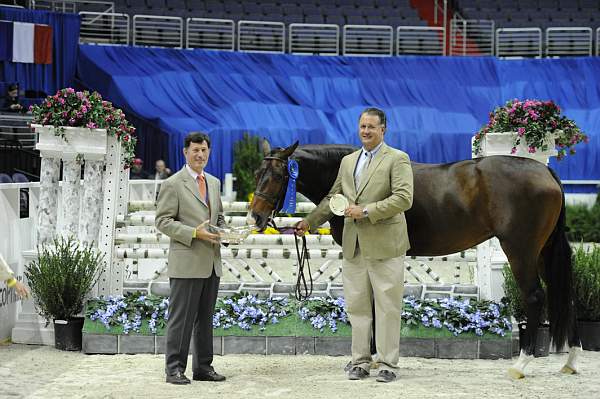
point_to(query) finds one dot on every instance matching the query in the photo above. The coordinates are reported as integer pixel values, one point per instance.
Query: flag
(25, 42)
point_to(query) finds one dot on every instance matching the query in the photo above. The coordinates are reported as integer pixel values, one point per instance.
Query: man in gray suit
(377, 180)
(188, 201)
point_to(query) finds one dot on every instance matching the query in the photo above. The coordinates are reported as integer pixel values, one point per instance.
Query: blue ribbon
(289, 203)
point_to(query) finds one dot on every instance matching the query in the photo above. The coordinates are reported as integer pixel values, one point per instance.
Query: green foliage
(247, 156)
(583, 223)
(586, 282)
(512, 297)
(62, 276)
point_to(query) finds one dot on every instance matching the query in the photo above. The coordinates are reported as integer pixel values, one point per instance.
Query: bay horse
(455, 207)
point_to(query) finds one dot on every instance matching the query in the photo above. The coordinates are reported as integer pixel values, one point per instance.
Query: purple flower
(521, 131)
(531, 150)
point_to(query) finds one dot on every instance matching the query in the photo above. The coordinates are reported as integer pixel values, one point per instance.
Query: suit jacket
(386, 190)
(178, 212)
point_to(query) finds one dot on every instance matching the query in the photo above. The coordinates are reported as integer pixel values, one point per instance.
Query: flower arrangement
(533, 121)
(129, 311)
(82, 109)
(244, 311)
(457, 315)
(322, 312)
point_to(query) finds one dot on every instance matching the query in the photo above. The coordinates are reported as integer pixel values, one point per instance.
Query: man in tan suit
(377, 180)
(188, 201)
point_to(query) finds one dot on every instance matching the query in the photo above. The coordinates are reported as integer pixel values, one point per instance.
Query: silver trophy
(231, 235)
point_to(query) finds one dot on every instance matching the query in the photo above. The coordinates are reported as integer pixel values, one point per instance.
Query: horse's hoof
(568, 370)
(515, 374)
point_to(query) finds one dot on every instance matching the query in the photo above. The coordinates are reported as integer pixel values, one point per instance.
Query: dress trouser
(191, 308)
(383, 281)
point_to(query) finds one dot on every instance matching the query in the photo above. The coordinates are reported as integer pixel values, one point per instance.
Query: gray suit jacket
(178, 212)
(386, 192)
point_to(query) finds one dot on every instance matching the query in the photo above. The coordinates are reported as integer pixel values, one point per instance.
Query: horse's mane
(318, 166)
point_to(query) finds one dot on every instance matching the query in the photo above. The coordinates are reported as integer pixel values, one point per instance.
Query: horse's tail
(559, 277)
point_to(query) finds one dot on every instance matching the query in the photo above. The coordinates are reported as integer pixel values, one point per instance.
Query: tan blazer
(386, 191)
(178, 211)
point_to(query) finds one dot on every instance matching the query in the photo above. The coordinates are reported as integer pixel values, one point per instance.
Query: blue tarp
(434, 104)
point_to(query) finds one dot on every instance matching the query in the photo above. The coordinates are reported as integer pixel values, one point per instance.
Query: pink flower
(65, 114)
(91, 125)
(70, 90)
(84, 109)
(513, 150)
(71, 121)
(531, 150)
(521, 131)
(61, 101)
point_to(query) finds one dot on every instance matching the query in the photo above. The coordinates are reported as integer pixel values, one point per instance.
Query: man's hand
(15, 106)
(203, 234)
(301, 228)
(354, 211)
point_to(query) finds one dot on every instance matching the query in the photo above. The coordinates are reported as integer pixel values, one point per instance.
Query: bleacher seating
(339, 12)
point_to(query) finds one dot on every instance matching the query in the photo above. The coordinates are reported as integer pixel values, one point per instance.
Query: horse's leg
(524, 267)
(570, 366)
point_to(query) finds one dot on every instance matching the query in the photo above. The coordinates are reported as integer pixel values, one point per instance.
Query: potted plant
(516, 307)
(77, 122)
(530, 128)
(60, 279)
(586, 286)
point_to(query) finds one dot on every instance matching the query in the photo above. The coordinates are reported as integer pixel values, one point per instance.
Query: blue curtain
(434, 104)
(65, 39)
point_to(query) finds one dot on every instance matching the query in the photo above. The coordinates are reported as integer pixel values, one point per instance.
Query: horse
(455, 207)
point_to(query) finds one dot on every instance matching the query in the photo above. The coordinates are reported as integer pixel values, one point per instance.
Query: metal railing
(211, 34)
(104, 28)
(152, 30)
(265, 37)
(519, 42)
(420, 40)
(568, 41)
(368, 40)
(317, 39)
(73, 6)
(471, 36)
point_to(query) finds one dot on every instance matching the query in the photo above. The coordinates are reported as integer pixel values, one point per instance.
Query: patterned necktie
(202, 186)
(362, 170)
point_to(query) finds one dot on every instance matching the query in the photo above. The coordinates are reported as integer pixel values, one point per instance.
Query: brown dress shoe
(178, 379)
(208, 376)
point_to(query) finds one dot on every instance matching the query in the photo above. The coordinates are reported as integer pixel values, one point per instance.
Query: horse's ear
(289, 150)
(266, 147)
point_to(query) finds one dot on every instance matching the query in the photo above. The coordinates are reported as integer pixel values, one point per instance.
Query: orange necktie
(202, 186)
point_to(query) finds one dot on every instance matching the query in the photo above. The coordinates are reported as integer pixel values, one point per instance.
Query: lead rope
(302, 291)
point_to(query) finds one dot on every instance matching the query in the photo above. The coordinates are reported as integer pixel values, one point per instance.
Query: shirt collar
(193, 173)
(374, 151)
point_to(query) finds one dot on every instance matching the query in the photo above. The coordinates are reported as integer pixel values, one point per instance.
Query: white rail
(368, 40)
(420, 40)
(519, 42)
(210, 34)
(157, 31)
(470, 37)
(569, 41)
(314, 39)
(263, 37)
(104, 28)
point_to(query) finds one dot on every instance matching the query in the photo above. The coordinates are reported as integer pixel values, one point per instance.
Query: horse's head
(271, 184)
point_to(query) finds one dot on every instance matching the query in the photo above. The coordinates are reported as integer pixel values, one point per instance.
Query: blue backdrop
(434, 104)
(59, 74)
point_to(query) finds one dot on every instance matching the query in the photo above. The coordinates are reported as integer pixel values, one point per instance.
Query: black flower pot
(67, 334)
(589, 332)
(542, 346)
